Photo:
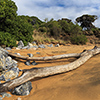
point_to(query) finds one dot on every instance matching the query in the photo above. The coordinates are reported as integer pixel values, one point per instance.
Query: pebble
(37, 52)
(42, 46)
(18, 98)
(34, 63)
(8, 48)
(27, 63)
(57, 45)
(50, 45)
(30, 55)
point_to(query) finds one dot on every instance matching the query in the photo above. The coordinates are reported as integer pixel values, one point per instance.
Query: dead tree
(32, 74)
(45, 58)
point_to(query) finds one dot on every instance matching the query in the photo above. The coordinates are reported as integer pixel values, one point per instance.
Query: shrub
(78, 39)
(54, 29)
(7, 39)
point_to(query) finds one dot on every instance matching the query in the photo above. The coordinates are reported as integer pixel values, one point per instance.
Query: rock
(57, 45)
(2, 62)
(17, 48)
(17, 54)
(8, 48)
(37, 52)
(51, 45)
(4, 94)
(26, 47)
(14, 63)
(10, 74)
(23, 89)
(35, 47)
(30, 45)
(34, 43)
(2, 78)
(34, 63)
(20, 44)
(9, 62)
(3, 51)
(30, 55)
(27, 63)
(42, 46)
(1, 98)
(18, 98)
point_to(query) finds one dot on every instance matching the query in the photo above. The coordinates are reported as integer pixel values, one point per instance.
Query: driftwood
(32, 74)
(45, 58)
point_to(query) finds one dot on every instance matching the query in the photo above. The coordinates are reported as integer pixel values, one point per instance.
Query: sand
(82, 83)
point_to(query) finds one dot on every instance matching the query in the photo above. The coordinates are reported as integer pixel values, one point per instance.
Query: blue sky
(58, 9)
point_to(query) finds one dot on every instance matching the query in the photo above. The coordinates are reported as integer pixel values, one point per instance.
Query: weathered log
(44, 58)
(32, 74)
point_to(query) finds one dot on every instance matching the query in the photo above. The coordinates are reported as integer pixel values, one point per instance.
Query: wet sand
(82, 83)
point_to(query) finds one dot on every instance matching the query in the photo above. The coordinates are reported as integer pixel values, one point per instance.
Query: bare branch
(45, 58)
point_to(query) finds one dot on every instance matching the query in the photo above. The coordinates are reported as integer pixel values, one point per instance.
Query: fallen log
(45, 58)
(32, 74)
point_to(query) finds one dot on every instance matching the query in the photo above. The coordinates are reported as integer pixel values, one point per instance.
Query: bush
(54, 29)
(78, 39)
(7, 39)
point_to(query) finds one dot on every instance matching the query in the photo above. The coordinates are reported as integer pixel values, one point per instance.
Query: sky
(58, 9)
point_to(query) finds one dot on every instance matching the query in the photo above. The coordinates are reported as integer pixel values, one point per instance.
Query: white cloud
(58, 9)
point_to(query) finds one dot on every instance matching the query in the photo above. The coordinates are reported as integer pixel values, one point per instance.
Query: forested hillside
(29, 28)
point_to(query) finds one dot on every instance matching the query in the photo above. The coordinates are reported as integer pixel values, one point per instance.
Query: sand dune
(80, 84)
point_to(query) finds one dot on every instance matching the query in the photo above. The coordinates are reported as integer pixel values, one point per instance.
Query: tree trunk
(32, 74)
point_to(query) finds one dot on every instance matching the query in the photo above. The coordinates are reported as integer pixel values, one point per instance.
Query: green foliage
(54, 29)
(17, 26)
(78, 39)
(70, 28)
(86, 21)
(7, 39)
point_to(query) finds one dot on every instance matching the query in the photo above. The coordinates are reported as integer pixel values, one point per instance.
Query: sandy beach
(82, 83)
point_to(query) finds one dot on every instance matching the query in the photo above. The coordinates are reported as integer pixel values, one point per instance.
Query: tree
(18, 27)
(86, 21)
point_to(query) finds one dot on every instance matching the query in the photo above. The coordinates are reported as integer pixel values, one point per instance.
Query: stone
(10, 74)
(3, 50)
(34, 63)
(35, 47)
(4, 94)
(1, 98)
(26, 47)
(27, 63)
(37, 52)
(17, 48)
(34, 43)
(42, 46)
(2, 62)
(50, 45)
(9, 62)
(8, 48)
(30, 45)
(14, 63)
(23, 89)
(20, 44)
(2, 78)
(18, 98)
(30, 55)
(57, 45)
(17, 54)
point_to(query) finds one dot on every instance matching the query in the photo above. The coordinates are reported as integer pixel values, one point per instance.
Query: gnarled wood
(47, 71)
(45, 58)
